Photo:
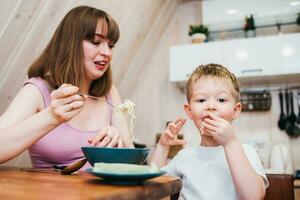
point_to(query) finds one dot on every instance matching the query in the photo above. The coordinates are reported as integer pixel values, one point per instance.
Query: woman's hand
(66, 103)
(109, 136)
(169, 136)
(220, 129)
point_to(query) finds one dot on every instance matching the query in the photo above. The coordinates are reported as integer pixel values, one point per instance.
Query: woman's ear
(187, 109)
(237, 110)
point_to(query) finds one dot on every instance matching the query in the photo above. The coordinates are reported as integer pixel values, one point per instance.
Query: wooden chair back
(281, 187)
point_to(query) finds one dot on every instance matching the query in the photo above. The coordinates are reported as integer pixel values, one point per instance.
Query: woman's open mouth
(101, 65)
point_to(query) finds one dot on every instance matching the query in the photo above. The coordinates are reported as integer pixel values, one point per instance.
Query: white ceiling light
(287, 51)
(242, 54)
(231, 12)
(294, 3)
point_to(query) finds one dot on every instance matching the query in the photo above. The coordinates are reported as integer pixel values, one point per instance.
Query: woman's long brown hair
(62, 59)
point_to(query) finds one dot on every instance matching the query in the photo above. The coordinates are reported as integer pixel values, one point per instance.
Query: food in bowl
(121, 168)
(115, 155)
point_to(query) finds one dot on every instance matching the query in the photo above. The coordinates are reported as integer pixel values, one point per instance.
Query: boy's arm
(248, 184)
(160, 155)
(167, 139)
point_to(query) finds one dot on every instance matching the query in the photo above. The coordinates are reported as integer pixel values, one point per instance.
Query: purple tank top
(62, 145)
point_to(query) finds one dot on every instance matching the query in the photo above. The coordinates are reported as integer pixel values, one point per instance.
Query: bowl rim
(118, 149)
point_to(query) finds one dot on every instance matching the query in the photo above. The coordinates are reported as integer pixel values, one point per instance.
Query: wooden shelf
(257, 27)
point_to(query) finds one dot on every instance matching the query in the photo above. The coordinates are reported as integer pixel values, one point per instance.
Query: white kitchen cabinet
(290, 51)
(253, 56)
(261, 56)
(184, 59)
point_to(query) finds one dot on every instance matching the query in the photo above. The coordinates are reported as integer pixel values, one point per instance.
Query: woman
(58, 117)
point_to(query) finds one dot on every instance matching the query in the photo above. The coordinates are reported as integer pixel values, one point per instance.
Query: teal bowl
(115, 155)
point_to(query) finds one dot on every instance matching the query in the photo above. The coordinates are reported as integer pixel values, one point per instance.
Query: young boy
(220, 168)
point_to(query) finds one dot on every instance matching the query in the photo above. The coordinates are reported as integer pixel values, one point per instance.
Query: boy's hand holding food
(220, 129)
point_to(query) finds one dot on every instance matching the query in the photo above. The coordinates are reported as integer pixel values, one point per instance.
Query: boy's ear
(187, 109)
(237, 110)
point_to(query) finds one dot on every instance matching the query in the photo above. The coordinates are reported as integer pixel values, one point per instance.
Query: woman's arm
(248, 184)
(21, 124)
(26, 121)
(119, 120)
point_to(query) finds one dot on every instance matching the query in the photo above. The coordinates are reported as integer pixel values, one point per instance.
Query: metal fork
(97, 98)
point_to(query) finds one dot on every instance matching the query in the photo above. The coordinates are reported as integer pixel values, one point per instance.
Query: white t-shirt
(205, 173)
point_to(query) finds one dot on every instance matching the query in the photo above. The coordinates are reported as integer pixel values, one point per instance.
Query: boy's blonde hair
(214, 70)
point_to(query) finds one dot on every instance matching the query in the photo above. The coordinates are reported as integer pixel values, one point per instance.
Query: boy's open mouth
(202, 119)
(205, 116)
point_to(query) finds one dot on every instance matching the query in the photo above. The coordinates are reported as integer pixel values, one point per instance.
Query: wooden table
(21, 183)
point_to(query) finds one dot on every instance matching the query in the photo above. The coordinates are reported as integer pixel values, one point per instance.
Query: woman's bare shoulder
(31, 93)
(27, 101)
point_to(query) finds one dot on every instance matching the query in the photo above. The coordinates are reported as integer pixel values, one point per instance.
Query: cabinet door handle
(251, 71)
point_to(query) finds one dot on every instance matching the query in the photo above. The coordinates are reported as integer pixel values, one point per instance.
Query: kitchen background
(155, 40)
